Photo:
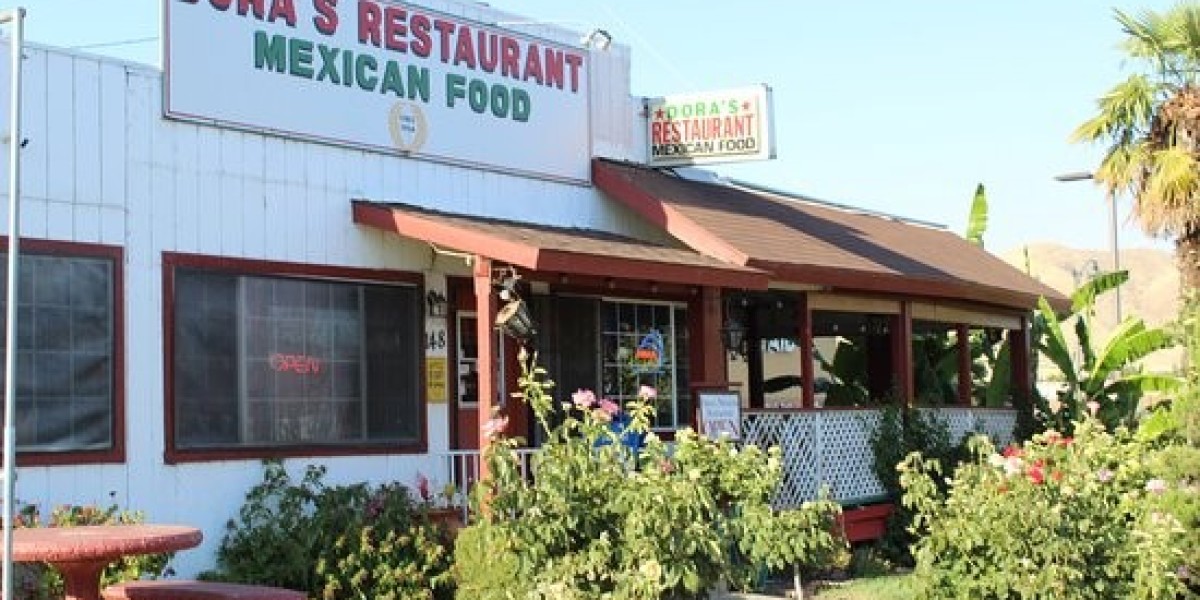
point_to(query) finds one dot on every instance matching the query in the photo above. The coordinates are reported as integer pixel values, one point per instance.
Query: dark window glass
(273, 361)
(65, 353)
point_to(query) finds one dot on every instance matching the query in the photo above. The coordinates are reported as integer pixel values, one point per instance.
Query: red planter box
(866, 522)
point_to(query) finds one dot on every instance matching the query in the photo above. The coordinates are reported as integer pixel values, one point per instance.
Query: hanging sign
(648, 357)
(711, 127)
(381, 75)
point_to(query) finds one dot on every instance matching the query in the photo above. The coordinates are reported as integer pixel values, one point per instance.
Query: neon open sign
(300, 364)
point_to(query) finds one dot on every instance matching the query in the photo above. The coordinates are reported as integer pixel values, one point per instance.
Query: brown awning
(802, 241)
(557, 249)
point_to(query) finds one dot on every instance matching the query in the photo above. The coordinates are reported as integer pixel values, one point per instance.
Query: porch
(822, 449)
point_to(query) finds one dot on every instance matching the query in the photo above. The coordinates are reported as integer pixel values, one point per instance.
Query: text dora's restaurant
(322, 230)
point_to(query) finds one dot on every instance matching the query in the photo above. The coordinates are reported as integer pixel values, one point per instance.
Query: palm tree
(1151, 122)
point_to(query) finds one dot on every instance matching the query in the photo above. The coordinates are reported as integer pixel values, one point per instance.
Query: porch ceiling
(805, 241)
(549, 249)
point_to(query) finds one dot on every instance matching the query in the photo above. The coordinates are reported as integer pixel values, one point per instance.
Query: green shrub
(603, 520)
(902, 431)
(1058, 517)
(37, 581)
(335, 542)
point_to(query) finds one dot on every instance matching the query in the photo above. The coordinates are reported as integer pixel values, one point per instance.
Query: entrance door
(464, 416)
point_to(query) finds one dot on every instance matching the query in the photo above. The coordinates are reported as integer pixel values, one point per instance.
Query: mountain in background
(1152, 292)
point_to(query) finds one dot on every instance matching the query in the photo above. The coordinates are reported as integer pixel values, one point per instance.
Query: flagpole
(16, 16)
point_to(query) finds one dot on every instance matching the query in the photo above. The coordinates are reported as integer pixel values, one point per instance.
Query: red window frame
(116, 452)
(251, 267)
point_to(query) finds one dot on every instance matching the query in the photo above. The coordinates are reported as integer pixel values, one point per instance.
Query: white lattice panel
(998, 424)
(820, 449)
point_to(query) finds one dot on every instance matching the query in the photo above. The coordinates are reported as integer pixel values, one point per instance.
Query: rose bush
(1057, 517)
(614, 512)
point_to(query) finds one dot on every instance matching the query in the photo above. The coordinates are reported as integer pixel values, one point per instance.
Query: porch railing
(831, 448)
(460, 469)
(823, 448)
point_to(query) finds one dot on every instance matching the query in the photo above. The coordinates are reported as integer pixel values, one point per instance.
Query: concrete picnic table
(80, 554)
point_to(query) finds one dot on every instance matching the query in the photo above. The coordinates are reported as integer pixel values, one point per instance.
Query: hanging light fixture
(513, 318)
(514, 321)
(733, 331)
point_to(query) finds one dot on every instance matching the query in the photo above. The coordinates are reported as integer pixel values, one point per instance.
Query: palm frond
(1123, 167)
(1167, 205)
(1127, 108)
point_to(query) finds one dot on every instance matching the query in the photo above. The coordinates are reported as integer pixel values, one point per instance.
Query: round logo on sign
(406, 123)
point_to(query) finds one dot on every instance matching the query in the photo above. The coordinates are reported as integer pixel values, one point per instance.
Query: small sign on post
(720, 414)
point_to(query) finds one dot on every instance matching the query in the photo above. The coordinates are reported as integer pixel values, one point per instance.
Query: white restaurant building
(243, 255)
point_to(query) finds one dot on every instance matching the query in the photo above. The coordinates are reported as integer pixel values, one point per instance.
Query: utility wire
(127, 42)
(648, 46)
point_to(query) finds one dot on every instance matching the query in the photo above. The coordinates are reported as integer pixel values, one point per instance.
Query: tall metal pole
(17, 17)
(1116, 248)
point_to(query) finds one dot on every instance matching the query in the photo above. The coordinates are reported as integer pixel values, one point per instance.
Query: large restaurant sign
(384, 76)
(711, 127)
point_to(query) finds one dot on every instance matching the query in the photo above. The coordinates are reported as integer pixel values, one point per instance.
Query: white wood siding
(103, 166)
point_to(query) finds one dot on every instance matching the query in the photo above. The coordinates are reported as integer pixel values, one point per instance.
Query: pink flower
(583, 399)
(647, 392)
(666, 466)
(1156, 486)
(1104, 475)
(1093, 407)
(494, 427)
(1013, 451)
(1013, 465)
(601, 416)
(609, 407)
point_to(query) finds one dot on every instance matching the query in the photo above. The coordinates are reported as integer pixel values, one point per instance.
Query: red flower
(1013, 450)
(1035, 472)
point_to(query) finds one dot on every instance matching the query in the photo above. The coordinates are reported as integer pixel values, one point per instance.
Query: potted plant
(442, 508)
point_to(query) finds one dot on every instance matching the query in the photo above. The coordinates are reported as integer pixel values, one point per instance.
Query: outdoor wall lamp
(435, 304)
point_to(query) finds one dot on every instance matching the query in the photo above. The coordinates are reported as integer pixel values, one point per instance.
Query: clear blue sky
(895, 106)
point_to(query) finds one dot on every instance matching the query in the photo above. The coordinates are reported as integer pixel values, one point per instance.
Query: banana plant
(1103, 373)
(977, 220)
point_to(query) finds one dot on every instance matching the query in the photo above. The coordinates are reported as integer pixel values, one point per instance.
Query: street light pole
(1114, 244)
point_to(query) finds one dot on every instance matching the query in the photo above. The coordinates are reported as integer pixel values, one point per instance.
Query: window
(68, 366)
(646, 344)
(270, 361)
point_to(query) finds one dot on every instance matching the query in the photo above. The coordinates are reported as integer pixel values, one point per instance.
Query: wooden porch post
(804, 319)
(485, 311)
(754, 358)
(902, 354)
(964, 364)
(1019, 352)
(711, 346)
(707, 351)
